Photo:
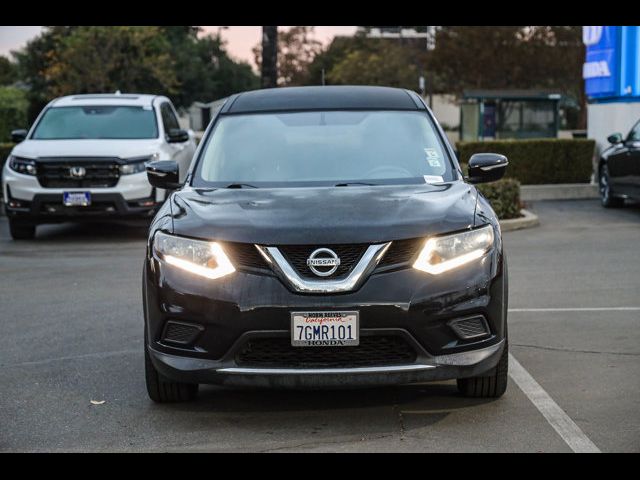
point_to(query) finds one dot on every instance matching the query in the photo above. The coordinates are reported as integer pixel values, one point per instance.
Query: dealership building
(612, 80)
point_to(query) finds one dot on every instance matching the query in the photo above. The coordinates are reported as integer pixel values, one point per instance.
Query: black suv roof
(324, 98)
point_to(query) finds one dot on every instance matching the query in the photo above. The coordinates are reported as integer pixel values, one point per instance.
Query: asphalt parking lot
(71, 332)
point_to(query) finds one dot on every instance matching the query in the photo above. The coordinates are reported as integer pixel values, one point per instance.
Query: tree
(170, 60)
(296, 52)
(393, 62)
(33, 60)
(510, 57)
(382, 62)
(105, 59)
(520, 57)
(8, 71)
(13, 111)
(203, 68)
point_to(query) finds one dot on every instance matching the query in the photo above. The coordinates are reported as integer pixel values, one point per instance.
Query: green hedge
(504, 196)
(539, 161)
(5, 150)
(13, 111)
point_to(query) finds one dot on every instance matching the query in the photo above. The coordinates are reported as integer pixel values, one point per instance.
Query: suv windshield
(283, 149)
(96, 122)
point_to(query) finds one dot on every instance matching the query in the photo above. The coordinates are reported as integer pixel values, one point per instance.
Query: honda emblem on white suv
(77, 172)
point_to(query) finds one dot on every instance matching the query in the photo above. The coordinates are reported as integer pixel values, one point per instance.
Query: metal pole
(269, 74)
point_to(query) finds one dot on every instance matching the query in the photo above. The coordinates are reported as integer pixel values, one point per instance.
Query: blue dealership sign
(611, 71)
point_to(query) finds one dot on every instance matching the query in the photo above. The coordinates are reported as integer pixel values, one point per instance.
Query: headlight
(199, 257)
(25, 166)
(134, 166)
(441, 254)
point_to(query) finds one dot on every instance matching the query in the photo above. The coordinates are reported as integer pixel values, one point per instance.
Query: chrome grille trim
(360, 272)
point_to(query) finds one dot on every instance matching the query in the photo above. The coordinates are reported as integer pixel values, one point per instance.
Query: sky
(240, 40)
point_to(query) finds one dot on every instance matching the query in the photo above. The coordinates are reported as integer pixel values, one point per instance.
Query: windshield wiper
(348, 184)
(240, 185)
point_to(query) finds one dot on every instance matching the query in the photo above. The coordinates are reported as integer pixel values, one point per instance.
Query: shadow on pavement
(93, 231)
(440, 397)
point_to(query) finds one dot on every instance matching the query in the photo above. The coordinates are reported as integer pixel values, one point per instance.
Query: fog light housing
(470, 327)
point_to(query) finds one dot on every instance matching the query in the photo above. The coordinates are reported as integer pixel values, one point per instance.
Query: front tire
(163, 390)
(159, 388)
(20, 230)
(490, 386)
(607, 197)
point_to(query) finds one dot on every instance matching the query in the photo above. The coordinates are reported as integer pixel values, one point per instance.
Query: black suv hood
(330, 215)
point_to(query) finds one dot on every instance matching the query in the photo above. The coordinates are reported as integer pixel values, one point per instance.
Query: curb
(528, 220)
(561, 191)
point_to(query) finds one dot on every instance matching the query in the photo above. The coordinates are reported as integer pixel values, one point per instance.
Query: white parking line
(585, 309)
(557, 418)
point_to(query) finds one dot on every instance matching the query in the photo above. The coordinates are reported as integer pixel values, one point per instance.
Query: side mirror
(615, 138)
(486, 167)
(164, 174)
(18, 136)
(175, 135)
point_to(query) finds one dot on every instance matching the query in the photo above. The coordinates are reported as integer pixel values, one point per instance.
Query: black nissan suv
(325, 237)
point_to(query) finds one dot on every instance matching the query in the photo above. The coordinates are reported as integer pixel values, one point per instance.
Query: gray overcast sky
(240, 40)
(12, 38)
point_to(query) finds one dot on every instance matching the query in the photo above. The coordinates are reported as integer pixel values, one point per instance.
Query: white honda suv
(84, 158)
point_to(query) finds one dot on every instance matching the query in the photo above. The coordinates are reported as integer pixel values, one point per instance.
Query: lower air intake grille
(374, 350)
(472, 327)
(181, 333)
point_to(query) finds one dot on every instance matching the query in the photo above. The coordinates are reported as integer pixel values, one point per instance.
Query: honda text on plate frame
(325, 236)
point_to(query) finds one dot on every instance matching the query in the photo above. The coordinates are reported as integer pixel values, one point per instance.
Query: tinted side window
(169, 119)
(634, 135)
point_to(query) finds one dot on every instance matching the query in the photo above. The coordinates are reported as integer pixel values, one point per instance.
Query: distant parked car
(619, 169)
(85, 157)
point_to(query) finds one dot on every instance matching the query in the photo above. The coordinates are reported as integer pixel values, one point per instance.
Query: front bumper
(25, 199)
(405, 303)
(444, 367)
(48, 208)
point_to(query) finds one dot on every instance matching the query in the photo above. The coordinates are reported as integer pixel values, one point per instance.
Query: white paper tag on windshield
(433, 179)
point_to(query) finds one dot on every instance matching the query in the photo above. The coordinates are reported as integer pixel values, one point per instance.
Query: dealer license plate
(76, 199)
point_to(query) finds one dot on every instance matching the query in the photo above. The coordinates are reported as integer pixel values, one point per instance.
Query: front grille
(180, 333)
(401, 251)
(245, 255)
(99, 173)
(374, 350)
(349, 255)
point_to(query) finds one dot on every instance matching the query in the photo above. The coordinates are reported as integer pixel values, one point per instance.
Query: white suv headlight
(26, 166)
(199, 257)
(441, 254)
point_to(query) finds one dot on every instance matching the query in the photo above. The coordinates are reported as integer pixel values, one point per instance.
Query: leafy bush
(13, 111)
(5, 150)
(539, 161)
(504, 196)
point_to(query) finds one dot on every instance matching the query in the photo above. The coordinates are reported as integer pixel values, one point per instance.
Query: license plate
(76, 199)
(322, 329)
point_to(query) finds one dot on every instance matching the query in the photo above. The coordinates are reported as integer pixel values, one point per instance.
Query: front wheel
(607, 198)
(163, 390)
(489, 386)
(20, 230)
